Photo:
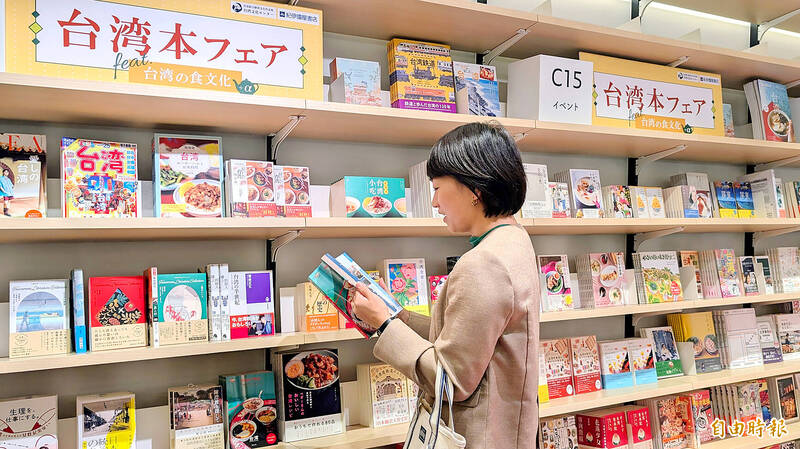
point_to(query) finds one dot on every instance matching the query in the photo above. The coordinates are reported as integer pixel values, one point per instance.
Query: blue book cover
(78, 311)
(336, 279)
(616, 367)
(744, 199)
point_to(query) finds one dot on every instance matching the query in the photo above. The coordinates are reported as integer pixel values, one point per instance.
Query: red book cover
(117, 312)
(558, 367)
(586, 364)
(603, 429)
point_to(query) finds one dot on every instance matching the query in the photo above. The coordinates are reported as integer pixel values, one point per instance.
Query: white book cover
(555, 283)
(536, 203)
(742, 339)
(770, 346)
(655, 202)
(106, 421)
(38, 318)
(29, 422)
(225, 295)
(214, 316)
(787, 327)
(764, 191)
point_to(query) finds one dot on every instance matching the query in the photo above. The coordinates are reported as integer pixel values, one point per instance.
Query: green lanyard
(475, 240)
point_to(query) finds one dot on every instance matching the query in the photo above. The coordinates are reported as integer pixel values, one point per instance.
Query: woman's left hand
(369, 307)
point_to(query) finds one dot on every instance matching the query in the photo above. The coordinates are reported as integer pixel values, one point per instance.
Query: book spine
(214, 316)
(225, 294)
(78, 312)
(151, 275)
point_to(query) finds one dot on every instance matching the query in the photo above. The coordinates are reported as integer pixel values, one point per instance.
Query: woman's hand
(369, 307)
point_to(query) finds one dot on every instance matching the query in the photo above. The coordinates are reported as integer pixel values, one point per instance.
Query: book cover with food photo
(368, 196)
(117, 313)
(187, 176)
(292, 191)
(38, 318)
(29, 422)
(555, 283)
(406, 281)
(309, 394)
(698, 329)
(23, 175)
(251, 409)
(249, 189)
(586, 192)
(601, 276)
(98, 179)
(558, 361)
(196, 417)
(182, 308)
(776, 115)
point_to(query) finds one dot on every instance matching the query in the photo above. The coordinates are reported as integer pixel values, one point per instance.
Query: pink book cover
(436, 284)
(608, 270)
(558, 367)
(586, 364)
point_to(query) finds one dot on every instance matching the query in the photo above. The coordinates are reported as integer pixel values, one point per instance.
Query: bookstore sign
(649, 96)
(220, 45)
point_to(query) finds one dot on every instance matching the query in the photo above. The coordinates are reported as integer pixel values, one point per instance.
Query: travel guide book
(337, 277)
(187, 176)
(38, 318)
(98, 179)
(23, 175)
(196, 417)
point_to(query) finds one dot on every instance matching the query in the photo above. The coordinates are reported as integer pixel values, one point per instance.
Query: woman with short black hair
(484, 329)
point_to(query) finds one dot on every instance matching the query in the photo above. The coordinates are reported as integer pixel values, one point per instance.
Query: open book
(336, 279)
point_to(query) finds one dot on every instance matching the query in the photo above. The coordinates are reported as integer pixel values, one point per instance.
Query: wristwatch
(384, 325)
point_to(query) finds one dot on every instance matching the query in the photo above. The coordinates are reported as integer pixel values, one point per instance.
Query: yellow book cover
(698, 328)
(388, 394)
(632, 94)
(544, 392)
(320, 314)
(106, 421)
(421, 76)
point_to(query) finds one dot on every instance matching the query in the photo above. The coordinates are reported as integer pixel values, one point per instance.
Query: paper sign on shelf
(222, 45)
(631, 94)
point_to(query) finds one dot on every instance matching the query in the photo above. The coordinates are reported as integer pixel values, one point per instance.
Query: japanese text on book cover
(421, 76)
(38, 318)
(182, 308)
(29, 422)
(187, 176)
(23, 175)
(117, 310)
(98, 179)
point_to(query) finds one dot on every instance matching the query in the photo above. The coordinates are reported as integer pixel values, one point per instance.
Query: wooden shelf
(668, 307)
(550, 137)
(19, 365)
(674, 385)
(751, 442)
(38, 98)
(18, 230)
(356, 437)
(359, 123)
(328, 336)
(338, 227)
(33, 230)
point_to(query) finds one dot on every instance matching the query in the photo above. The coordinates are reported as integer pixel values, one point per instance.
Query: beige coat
(485, 330)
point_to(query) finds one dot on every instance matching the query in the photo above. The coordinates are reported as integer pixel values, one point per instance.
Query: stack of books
(658, 277)
(699, 181)
(770, 111)
(667, 424)
(421, 192)
(739, 338)
(785, 267)
(698, 329)
(719, 269)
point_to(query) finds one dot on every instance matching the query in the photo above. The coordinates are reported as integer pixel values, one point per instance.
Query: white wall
(329, 161)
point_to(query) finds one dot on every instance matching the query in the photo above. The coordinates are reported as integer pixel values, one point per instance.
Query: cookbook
(586, 369)
(558, 365)
(251, 409)
(585, 190)
(555, 283)
(249, 189)
(292, 191)
(187, 176)
(658, 277)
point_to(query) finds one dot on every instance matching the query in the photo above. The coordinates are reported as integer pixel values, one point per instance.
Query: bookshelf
(50, 99)
(673, 385)
(667, 307)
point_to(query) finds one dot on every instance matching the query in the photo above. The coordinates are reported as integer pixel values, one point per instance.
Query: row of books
(692, 343)
(603, 280)
(680, 421)
(133, 311)
(579, 193)
(300, 400)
